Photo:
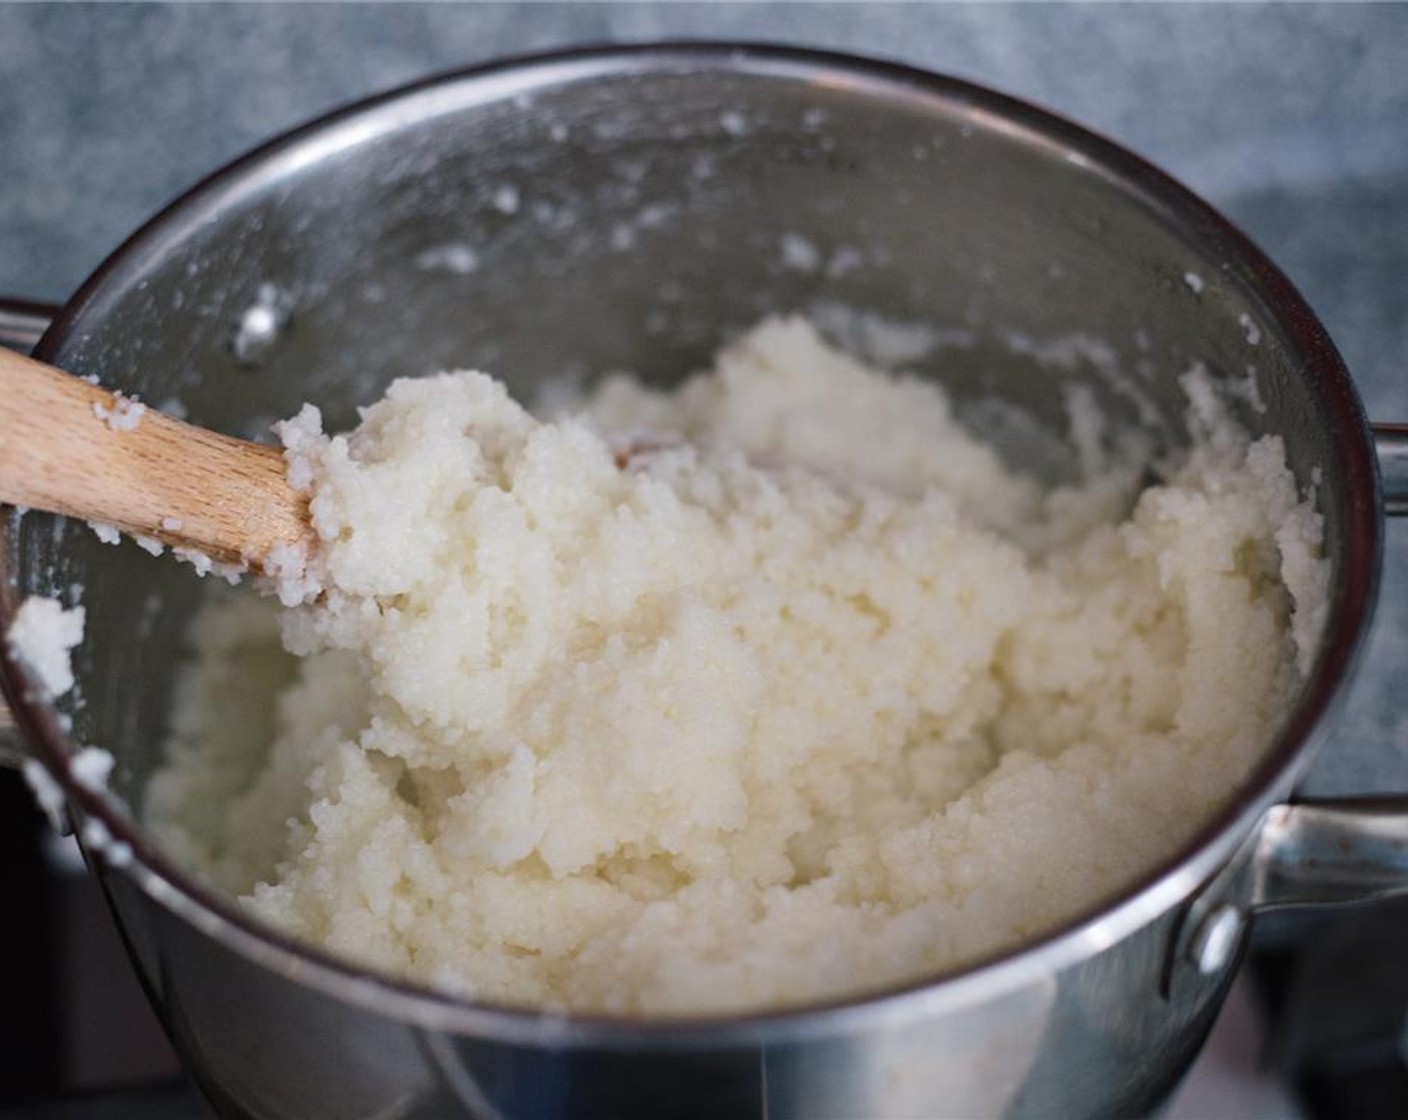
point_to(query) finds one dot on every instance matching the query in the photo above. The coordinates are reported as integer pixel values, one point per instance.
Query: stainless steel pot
(628, 208)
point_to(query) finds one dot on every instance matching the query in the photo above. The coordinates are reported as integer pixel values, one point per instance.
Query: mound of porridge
(776, 687)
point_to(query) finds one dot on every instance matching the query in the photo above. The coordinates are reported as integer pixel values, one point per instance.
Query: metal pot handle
(1391, 442)
(22, 325)
(1318, 853)
(1301, 854)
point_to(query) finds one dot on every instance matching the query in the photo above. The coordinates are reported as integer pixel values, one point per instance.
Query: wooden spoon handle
(70, 447)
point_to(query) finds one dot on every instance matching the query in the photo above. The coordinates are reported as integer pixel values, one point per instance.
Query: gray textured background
(1293, 119)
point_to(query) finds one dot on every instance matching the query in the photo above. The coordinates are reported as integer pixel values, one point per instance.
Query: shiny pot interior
(561, 218)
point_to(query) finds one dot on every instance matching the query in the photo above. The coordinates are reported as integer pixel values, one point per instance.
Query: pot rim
(1174, 879)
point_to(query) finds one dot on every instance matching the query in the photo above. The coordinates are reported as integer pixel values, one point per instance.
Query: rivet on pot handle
(1391, 442)
(1316, 853)
(22, 325)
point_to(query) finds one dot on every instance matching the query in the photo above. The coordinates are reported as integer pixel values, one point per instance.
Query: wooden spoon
(70, 447)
